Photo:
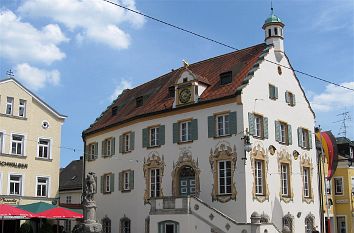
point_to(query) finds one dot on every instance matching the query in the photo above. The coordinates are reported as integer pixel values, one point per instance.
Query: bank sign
(13, 165)
(12, 201)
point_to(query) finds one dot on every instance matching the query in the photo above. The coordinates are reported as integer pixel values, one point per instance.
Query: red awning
(59, 213)
(8, 210)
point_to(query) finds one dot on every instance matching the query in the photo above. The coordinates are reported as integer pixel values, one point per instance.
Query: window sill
(44, 159)
(13, 116)
(126, 191)
(258, 137)
(105, 193)
(273, 98)
(184, 142)
(153, 147)
(13, 156)
(127, 152)
(106, 156)
(223, 136)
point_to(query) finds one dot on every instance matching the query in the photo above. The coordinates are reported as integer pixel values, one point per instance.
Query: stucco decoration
(306, 162)
(271, 149)
(222, 152)
(259, 153)
(153, 161)
(185, 159)
(285, 157)
(288, 223)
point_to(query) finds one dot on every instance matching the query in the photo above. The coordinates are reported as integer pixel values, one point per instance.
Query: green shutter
(271, 96)
(194, 129)
(96, 150)
(112, 182)
(175, 132)
(277, 131)
(294, 101)
(162, 135)
(265, 127)
(132, 140)
(287, 97)
(121, 144)
(276, 93)
(145, 137)
(87, 153)
(310, 140)
(233, 122)
(251, 125)
(104, 147)
(211, 126)
(121, 181)
(290, 138)
(299, 136)
(113, 149)
(102, 184)
(131, 180)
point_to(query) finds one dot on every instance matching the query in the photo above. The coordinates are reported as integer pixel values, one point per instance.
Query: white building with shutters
(219, 145)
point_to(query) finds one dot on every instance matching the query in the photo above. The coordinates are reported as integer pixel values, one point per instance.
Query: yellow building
(30, 134)
(340, 190)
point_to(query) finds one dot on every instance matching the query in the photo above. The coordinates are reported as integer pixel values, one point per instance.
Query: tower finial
(271, 7)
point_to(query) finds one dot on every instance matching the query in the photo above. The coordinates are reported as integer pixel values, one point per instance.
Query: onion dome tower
(273, 28)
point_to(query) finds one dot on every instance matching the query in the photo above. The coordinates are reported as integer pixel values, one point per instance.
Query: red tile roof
(156, 94)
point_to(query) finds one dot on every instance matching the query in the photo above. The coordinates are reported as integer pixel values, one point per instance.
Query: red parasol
(59, 213)
(8, 210)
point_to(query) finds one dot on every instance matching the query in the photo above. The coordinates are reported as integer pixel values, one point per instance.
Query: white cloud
(333, 97)
(35, 78)
(21, 42)
(124, 84)
(98, 20)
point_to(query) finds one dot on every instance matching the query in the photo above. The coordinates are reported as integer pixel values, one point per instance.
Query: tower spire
(271, 7)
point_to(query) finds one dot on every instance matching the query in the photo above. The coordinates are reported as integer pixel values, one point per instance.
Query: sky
(78, 55)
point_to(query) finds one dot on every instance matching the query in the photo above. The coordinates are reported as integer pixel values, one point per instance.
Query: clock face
(185, 95)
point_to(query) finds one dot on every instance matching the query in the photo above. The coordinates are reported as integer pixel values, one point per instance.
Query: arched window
(125, 225)
(168, 227)
(106, 225)
(269, 32)
(309, 223)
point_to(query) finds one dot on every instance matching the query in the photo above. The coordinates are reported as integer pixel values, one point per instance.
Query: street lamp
(247, 145)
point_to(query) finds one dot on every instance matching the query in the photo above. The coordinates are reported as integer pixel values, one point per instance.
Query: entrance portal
(186, 181)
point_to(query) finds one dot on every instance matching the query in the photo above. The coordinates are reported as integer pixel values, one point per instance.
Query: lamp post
(247, 145)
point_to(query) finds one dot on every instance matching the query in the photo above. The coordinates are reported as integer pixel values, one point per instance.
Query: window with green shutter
(304, 138)
(273, 92)
(145, 137)
(222, 124)
(108, 147)
(290, 98)
(92, 151)
(126, 142)
(283, 133)
(126, 181)
(107, 183)
(211, 126)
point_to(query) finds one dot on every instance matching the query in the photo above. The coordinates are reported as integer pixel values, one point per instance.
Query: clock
(185, 95)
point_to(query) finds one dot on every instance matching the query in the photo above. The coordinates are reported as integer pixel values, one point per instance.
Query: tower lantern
(274, 34)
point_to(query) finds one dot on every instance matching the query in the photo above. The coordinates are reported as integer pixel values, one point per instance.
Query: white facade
(212, 212)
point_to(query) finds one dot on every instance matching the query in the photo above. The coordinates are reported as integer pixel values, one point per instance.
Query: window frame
(306, 182)
(20, 184)
(123, 227)
(49, 148)
(225, 123)
(126, 180)
(258, 126)
(46, 184)
(22, 143)
(107, 183)
(272, 92)
(22, 106)
(259, 177)
(336, 193)
(106, 225)
(285, 183)
(187, 132)
(305, 138)
(225, 177)
(2, 142)
(11, 105)
(68, 199)
(155, 180)
(92, 150)
(154, 136)
(126, 142)
(345, 221)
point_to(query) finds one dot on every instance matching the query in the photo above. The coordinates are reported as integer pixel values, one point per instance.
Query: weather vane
(10, 73)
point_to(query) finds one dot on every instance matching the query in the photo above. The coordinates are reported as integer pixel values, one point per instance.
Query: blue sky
(78, 55)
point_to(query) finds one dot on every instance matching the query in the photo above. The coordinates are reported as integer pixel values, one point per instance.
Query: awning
(37, 207)
(59, 213)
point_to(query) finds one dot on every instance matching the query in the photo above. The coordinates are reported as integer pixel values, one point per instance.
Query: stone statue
(89, 225)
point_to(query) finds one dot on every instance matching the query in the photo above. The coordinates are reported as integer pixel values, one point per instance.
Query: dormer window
(171, 91)
(114, 111)
(139, 101)
(185, 80)
(226, 78)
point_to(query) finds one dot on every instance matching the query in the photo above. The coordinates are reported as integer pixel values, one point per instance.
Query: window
(351, 153)
(22, 108)
(168, 227)
(114, 110)
(222, 125)
(353, 186)
(1, 142)
(15, 185)
(9, 105)
(269, 32)
(341, 224)
(68, 200)
(276, 31)
(155, 182)
(186, 131)
(283, 132)
(125, 225)
(139, 101)
(285, 180)
(288, 224)
(225, 178)
(259, 174)
(42, 187)
(154, 136)
(68, 225)
(44, 148)
(171, 91)
(290, 98)
(226, 78)
(106, 225)
(328, 186)
(305, 138)
(107, 183)
(107, 180)
(258, 125)
(108, 147)
(338, 185)
(306, 182)
(126, 142)
(309, 224)
(92, 150)
(273, 92)
(17, 144)
(126, 181)
(258, 129)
